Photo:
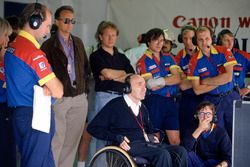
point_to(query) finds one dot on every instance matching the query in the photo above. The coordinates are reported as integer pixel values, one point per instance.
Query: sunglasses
(68, 21)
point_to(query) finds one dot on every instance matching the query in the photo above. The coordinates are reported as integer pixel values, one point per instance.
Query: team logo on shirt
(185, 67)
(42, 66)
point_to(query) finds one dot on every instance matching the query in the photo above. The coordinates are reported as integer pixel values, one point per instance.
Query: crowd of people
(188, 96)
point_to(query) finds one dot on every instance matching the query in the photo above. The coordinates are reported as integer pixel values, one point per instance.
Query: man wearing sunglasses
(67, 57)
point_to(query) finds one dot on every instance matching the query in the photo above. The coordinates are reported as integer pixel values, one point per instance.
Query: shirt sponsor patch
(230, 56)
(37, 57)
(167, 64)
(202, 70)
(2, 70)
(138, 69)
(185, 67)
(152, 67)
(11, 50)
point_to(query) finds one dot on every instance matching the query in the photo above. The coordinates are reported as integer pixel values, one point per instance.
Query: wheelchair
(113, 156)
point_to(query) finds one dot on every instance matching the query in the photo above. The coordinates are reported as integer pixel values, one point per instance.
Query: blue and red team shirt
(242, 66)
(149, 64)
(202, 67)
(25, 66)
(2, 84)
(182, 60)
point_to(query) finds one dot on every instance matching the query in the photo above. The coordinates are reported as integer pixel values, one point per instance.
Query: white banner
(138, 16)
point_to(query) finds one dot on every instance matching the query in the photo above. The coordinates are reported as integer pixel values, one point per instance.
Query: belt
(113, 92)
(222, 94)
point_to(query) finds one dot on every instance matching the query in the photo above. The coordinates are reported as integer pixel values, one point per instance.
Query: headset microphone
(214, 39)
(236, 43)
(237, 31)
(208, 46)
(190, 50)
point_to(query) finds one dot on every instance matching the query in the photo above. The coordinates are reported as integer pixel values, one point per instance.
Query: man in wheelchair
(125, 122)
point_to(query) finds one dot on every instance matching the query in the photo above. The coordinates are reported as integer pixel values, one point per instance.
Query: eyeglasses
(203, 114)
(68, 21)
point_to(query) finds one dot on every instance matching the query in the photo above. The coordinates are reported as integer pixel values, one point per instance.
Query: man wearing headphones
(26, 66)
(125, 122)
(189, 100)
(226, 38)
(211, 74)
(208, 145)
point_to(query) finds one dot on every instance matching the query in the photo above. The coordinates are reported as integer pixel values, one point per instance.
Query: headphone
(36, 18)
(204, 104)
(184, 28)
(212, 33)
(127, 85)
(227, 31)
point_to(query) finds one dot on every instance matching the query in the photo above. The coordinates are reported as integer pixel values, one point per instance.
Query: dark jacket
(216, 146)
(58, 61)
(116, 120)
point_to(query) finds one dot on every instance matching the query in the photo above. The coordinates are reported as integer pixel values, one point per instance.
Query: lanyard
(141, 125)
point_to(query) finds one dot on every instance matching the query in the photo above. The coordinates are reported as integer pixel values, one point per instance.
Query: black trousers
(7, 142)
(160, 155)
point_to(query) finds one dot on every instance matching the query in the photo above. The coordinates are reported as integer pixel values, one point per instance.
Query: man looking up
(125, 122)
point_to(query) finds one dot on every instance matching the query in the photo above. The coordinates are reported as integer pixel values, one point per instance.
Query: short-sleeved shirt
(100, 60)
(242, 66)
(202, 67)
(2, 84)
(149, 64)
(25, 66)
(182, 60)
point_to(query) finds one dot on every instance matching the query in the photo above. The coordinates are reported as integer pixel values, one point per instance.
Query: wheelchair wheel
(111, 156)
